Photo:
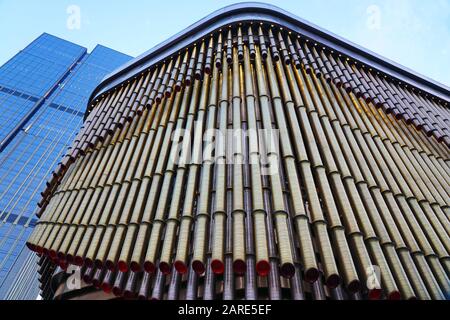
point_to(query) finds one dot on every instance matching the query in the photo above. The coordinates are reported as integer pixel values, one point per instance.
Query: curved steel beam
(261, 12)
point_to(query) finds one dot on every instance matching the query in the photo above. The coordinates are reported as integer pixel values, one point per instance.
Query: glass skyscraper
(44, 90)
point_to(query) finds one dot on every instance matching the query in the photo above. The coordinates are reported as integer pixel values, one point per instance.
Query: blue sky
(415, 33)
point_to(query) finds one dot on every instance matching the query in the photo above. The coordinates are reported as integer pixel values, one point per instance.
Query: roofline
(262, 12)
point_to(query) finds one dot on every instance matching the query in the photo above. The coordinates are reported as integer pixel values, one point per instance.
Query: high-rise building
(43, 92)
(255, 156)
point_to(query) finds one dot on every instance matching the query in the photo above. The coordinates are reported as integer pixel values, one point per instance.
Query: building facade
(43, 93)
(333, 183)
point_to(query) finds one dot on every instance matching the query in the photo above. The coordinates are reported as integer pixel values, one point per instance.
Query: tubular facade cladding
(360, 190)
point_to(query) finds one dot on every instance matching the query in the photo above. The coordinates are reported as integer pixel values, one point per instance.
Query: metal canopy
(262, 12)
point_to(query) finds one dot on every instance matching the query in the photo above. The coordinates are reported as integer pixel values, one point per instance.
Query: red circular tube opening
(354, 286)
(135, 267)
(106, 288)
(312, 275)
(52, 254)
(63, 264)
(87, 279)
(89, 262)
(128, 294)
(122, 265)
(177, 88)
(374, 294)
(217, 267)
(96, 283)
(239, 267)
(109, 265)
(187, 82)
(142, 297)
(61, 256)
(45, 251)
(164, 267)
(287, 270)
(198, 267)
(207, 70)
(149, 267)
(167, 94)
(263, 268)
(69, 258)
(333, 281)
(98, 264)
(78, 261)
(394, 295)
(117, 291)
(181, 267)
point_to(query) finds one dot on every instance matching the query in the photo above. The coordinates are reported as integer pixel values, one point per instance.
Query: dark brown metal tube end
(199, 267)
(333, 281)
(312, 275)
(165, 268)
(239, 267)
(181, 267)
(287, 270)
(135, 267)
(149, 267)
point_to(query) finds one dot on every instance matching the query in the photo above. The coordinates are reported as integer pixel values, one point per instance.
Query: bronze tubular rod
(258, 211)
(203, 210)
(238, 158)
(279, 211)
(219, 215)
(250, 271)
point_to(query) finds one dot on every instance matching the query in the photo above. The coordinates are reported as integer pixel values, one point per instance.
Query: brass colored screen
(360, 193)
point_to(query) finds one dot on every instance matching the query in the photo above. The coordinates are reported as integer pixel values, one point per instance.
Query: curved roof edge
(262, 12)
